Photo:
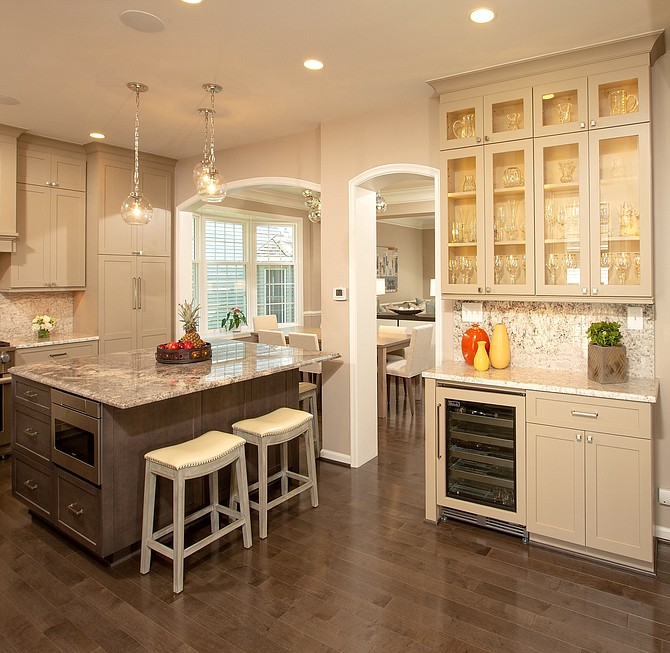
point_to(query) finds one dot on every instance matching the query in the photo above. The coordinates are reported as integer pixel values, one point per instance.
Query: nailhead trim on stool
(202, 456)
(278, 427)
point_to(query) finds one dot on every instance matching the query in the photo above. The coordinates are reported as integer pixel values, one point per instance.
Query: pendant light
(209, 182)
(380, 203)
(135, 209)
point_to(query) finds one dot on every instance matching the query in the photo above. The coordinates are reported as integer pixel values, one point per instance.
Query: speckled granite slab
(125, 380)
(26, 342)
(636, 389)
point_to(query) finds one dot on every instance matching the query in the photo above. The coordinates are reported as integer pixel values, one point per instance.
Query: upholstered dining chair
(393, 330)
(308, 342)
(418, 358)
(271, 337)
(265, 322)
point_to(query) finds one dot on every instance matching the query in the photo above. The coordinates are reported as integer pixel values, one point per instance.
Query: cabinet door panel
(117, 313)
(68, 172)
(116, 237)
(155, 237)
(153, 314)
(555, 459)
(31, 263)
(618, 495)
(619, 98)
(68, 238)
(33, 167)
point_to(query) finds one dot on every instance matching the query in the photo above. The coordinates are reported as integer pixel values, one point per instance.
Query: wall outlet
(635, 318)
(664, 496)
(472, 312)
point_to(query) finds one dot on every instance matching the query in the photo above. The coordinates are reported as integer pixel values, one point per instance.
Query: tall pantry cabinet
(129, 267)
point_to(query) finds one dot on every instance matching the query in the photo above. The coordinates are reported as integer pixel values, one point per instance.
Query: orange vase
(469, 342)
(499, 352)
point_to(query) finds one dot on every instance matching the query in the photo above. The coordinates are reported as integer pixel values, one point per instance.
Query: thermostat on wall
(340, 294)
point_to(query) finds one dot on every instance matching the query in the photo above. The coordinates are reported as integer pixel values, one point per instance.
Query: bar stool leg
(239, 470)
(262, 490)
(148, 519)
(213, 500)
(311, 465)
(283, 456)
(317, 434)
(178, 533)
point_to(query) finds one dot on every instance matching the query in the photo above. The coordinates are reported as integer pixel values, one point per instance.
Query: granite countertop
(125, 380)
(545, 380)
(56, 339)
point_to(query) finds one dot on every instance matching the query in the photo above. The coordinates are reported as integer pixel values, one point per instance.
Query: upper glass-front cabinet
(594, 102)
(486, 119)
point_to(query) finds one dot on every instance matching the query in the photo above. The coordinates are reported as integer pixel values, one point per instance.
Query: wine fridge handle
(437, 430)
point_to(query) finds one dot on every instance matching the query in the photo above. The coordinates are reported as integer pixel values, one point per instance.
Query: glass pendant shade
(380, 203)
(135, 210)
(210, 185)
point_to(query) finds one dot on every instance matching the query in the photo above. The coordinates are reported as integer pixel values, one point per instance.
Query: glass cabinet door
(619, 98)
(509, 218)
(461, 123)
(560, 107)
(463, 220)
(621, 238)
(562, 215)
(508, 116)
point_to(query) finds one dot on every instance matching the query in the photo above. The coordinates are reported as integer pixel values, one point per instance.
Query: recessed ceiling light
(313, 64)
(142, 21)
(482, 15)
(6, 99)
(96, 135)
(548, 96)
(192, 2)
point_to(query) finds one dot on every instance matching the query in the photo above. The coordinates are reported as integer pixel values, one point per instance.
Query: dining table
(386, 342)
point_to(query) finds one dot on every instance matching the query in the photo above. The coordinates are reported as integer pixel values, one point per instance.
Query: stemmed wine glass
(550, 216)
(553, 264)
(569, 263)
(636, 265)
(622, 265)
(498, 267)
(454, 269)
(513, 264)
(510, 227)
(605, 265)
(560, 221)
(467, 268)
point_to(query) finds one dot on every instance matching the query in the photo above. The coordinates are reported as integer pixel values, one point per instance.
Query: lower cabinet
(590, 476)
(45, 353)
(33, 484)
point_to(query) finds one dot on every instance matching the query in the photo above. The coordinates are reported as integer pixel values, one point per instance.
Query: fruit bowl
(193, 355)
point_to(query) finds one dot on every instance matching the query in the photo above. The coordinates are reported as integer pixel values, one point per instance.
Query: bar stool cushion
(282, 420)
(305, 386)
(199, 451)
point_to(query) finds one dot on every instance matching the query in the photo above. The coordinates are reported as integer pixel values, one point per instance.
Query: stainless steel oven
(6, 361)
(76, 434)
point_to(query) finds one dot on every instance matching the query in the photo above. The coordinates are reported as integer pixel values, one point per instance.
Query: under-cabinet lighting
(482, 15)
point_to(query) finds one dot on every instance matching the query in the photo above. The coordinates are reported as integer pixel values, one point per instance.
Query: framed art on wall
(387, 267)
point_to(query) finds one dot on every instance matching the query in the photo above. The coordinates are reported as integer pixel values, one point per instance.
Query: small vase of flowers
(234, 320)
(43, 324)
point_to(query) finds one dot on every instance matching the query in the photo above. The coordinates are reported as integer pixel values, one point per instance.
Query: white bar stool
(278, 427)
(204, 455)
(307, 392)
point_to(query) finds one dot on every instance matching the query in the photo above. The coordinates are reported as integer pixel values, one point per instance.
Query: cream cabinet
(134, 306)
(589, 476)
(8, 148)
(45, 353)
(488, 219)
(42, 162)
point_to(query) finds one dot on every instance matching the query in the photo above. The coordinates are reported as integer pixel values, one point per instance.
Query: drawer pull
(62, 353)
(578, 437)
(589, 439)
(31, 432)
(579, 413)
(30, 394)
(30, 484)
(75, 510)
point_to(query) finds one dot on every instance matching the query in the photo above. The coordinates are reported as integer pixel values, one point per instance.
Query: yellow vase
(481, 361)
(499, 351)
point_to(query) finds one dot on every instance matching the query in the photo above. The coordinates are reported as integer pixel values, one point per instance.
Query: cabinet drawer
(47, 353)
(32, 395)
(33, 432)
(33, 485)
(78, 511)
(589, 413)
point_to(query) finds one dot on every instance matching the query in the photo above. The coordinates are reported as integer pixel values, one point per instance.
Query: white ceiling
(67, 62)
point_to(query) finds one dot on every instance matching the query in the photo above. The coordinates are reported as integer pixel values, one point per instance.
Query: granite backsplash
(552, 335)
(17, 311)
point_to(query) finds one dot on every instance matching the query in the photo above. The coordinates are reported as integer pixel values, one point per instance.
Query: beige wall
(410, 260)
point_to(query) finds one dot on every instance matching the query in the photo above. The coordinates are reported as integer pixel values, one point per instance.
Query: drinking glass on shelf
(512, 177)
(564, 111)
(605, 265)
(454, 270)
(626, 218)
(464, 222)
(510, 227)
(560, 222)
(513, 264)
(570, 263)
(636, 265)
(456, 232)
(605, 226)
(550, 216)
(469, 184)
(567, 170)
(513, 121)
(622, 264)
(467, 268)
(618, 169)
(553, 265)
(498, 222)
(498, 267)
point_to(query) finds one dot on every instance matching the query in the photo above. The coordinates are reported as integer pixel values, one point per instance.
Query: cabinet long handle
(30, 394)
(77, 512)
(31, 432)
(579, 413)
(134, 293)
(30, 484)
(139, 292)
(62, 353)
(437, 430)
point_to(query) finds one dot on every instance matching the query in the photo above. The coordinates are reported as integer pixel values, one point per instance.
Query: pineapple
(188, 314)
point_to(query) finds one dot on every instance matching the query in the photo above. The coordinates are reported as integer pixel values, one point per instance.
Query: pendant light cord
(136, 173)
(211, 131)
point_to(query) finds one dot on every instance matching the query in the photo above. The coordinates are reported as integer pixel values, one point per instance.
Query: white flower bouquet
(43, 325)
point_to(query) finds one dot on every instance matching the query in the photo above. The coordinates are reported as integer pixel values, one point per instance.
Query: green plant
(605, 334)
(234, 319)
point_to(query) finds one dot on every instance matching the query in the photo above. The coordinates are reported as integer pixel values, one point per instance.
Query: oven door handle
(5, 379)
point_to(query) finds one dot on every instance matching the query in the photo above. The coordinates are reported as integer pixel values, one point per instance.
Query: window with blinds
(275, 272)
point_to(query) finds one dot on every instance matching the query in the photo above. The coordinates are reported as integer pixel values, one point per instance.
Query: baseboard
(336, 457)
(662, 533)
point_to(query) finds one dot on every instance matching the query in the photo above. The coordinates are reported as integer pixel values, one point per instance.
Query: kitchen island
(139, 405)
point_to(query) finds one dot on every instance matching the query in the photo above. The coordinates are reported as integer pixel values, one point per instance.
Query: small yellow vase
(499, 350)
(481, 361)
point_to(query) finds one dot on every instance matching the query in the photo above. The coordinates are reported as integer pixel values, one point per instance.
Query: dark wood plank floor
(362, 572)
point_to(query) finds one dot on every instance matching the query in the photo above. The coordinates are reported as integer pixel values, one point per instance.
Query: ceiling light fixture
(135, 209)
(482, 15)
(313, 64)
(313, 203)
(380, 203)
(192, 2)
(96, 135)
(142, 21)
(8, 100)
(209, 182)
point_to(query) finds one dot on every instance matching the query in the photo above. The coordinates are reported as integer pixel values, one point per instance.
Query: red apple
(162, 346)
(187, 345)
(173, 345)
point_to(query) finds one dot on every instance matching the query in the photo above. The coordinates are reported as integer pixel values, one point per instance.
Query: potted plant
(234, 319)
(607, 361)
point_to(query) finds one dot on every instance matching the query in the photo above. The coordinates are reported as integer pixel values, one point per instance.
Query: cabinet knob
(582, 125)
(480, 290)
(578, 437)
(593, 123)
(478, 139)
(589, 439)
(594, 291)
(488, 289)
(585, 291)
(487, 138)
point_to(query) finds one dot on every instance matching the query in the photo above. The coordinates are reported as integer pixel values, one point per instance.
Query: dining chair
(265, 322)
(271, 337)
(418, 358)
(308, 342)
(395, 331)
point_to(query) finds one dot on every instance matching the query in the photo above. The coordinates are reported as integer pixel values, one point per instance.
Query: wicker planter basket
(607, 364)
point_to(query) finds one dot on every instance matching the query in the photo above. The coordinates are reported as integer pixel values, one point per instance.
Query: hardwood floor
(362, 572)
